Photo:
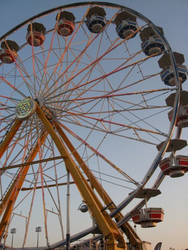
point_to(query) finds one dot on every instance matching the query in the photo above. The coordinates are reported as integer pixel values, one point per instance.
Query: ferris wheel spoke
(119, 109)
(111, 176)
(6, 119)
(84, 166)
(77, 59)
(111, 48)
(50, 193)
(100, 78)
(117, 133)
(110, 94)
(8, 192)
(68, 47)
(21, 153)
(42, 79)
(99, 126)
(8, 136)
(36, 80)
(12, 86)
(144, 120)
(50, 48)
(33, 61)
(101, 120)
(12, 147)
(54, 34)
(126, 74)
(133, 107)
(98, 153)
(21, 69)
(6, 107)
(30, 210)
(116, 184)
(58, 213)
(32, 200)
(65, 51)
(105, 130)
(54, 180)
(110, 84)
(39, 77)
(43, 199)
(58, 64)
(9, 98)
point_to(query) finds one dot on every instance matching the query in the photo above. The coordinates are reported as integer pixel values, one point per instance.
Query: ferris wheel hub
(25, 108)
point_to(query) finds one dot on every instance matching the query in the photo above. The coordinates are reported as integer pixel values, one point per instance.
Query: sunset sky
(172, 15)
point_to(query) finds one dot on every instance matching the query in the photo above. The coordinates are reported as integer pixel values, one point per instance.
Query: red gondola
(8, 53)
(148, 217)
(65, 23)
(182, 117)
(175, 167)
(35, 34)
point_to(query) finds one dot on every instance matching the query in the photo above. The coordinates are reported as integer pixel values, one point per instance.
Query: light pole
(38, 230)
(12, 231)
(68, 212)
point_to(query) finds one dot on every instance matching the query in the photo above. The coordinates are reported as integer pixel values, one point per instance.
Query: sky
(172, 16)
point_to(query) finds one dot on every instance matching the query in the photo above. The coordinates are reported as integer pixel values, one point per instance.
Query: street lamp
(12, 231)
(38, 230)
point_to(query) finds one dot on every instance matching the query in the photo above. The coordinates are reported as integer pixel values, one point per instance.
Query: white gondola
(167, 74)
(148, 217)
(65, 23)
(35, 34)
(126, 25)
(152, 44)
(96, 19)
(8, 53)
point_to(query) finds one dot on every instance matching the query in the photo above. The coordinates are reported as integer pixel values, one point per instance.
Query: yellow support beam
(105, 223)
(10, 198)
(4, 145)
(11, 133)
(114, 238)
(129, 231)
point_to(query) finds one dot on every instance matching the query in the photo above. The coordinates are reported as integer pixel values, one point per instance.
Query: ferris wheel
(91, 100)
